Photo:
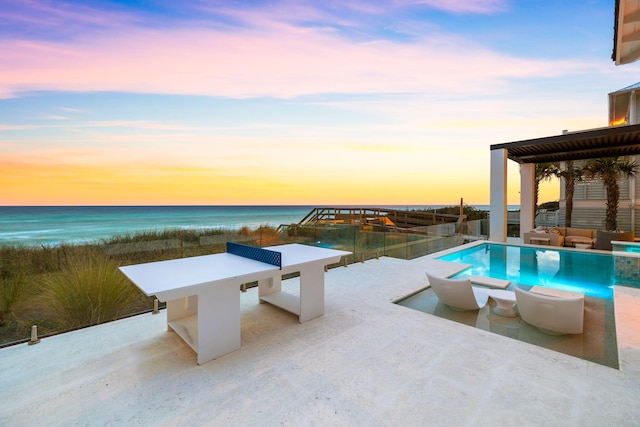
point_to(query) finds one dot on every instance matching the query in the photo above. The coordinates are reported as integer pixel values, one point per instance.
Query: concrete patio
(367, 361)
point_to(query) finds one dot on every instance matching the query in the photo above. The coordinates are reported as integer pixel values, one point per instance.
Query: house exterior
(589, 198)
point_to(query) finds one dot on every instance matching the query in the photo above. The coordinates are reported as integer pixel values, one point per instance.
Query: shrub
(89, 290)
(11, 286)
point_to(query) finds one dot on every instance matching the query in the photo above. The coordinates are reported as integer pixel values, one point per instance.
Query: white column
(527, 196)
(498, 196)
(632, 108)
(632, 181)
(632, 202)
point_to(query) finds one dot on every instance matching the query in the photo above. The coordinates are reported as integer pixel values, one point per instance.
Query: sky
(393, 102)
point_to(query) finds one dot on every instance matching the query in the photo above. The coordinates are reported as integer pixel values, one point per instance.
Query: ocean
(55, 225)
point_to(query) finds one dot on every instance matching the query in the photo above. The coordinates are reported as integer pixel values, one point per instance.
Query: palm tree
(610, 170)
(543, 172)
(570, 174)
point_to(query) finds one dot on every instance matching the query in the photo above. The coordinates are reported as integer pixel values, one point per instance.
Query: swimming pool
(590, 273)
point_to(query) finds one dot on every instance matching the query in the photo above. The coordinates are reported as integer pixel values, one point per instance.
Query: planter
(605, 238)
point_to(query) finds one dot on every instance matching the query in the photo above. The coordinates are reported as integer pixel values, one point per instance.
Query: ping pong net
(257, 254)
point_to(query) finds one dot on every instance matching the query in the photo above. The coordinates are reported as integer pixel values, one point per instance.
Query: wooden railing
(381, 216)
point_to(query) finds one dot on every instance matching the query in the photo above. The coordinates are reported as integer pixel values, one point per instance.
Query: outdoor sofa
(561, 236)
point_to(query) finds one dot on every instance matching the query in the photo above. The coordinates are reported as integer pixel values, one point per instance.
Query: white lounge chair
(458, 294)
(555, 316)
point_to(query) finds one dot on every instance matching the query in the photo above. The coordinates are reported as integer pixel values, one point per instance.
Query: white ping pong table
(203, 292)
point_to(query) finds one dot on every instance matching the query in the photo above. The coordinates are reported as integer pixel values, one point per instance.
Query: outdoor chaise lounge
(458, 294)
(553, 315)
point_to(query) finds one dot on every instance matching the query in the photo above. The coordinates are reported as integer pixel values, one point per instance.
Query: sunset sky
(290, 102)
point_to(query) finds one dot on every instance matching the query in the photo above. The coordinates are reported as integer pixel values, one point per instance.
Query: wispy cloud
(288, 63)
(465, 6)
(146, 125)
(35, 19)
(285, 50)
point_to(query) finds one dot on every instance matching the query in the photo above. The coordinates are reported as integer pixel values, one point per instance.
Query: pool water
(578, 271)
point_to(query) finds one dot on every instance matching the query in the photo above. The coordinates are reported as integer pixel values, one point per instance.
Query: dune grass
(12, 284)
(88, 291)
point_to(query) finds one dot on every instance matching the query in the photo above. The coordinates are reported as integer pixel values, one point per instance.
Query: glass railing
(367, 242)
(66, 287)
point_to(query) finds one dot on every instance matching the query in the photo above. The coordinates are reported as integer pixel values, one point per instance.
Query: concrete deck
(365, 362)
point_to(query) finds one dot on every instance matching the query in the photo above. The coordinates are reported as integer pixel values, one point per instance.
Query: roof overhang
(589, 144)
(626, 32)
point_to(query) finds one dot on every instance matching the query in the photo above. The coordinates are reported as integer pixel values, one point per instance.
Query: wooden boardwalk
(378, 216)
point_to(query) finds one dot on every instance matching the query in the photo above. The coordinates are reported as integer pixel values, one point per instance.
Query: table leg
(311, 293)
(218, 321)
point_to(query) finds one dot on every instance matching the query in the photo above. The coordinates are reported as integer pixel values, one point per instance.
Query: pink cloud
(286, 61)
(465, 6)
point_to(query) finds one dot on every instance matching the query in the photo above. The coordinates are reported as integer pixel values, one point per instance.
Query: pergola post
(498, 196)
(527, 197)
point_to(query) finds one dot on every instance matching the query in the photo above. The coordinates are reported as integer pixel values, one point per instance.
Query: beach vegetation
(264, 235)
(12, 284)
(89, 290)
(471, 212)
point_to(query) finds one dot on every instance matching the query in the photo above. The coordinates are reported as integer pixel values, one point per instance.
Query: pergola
(589, 144)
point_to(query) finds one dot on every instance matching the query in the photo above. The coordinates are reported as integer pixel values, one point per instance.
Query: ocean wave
(29, 233)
